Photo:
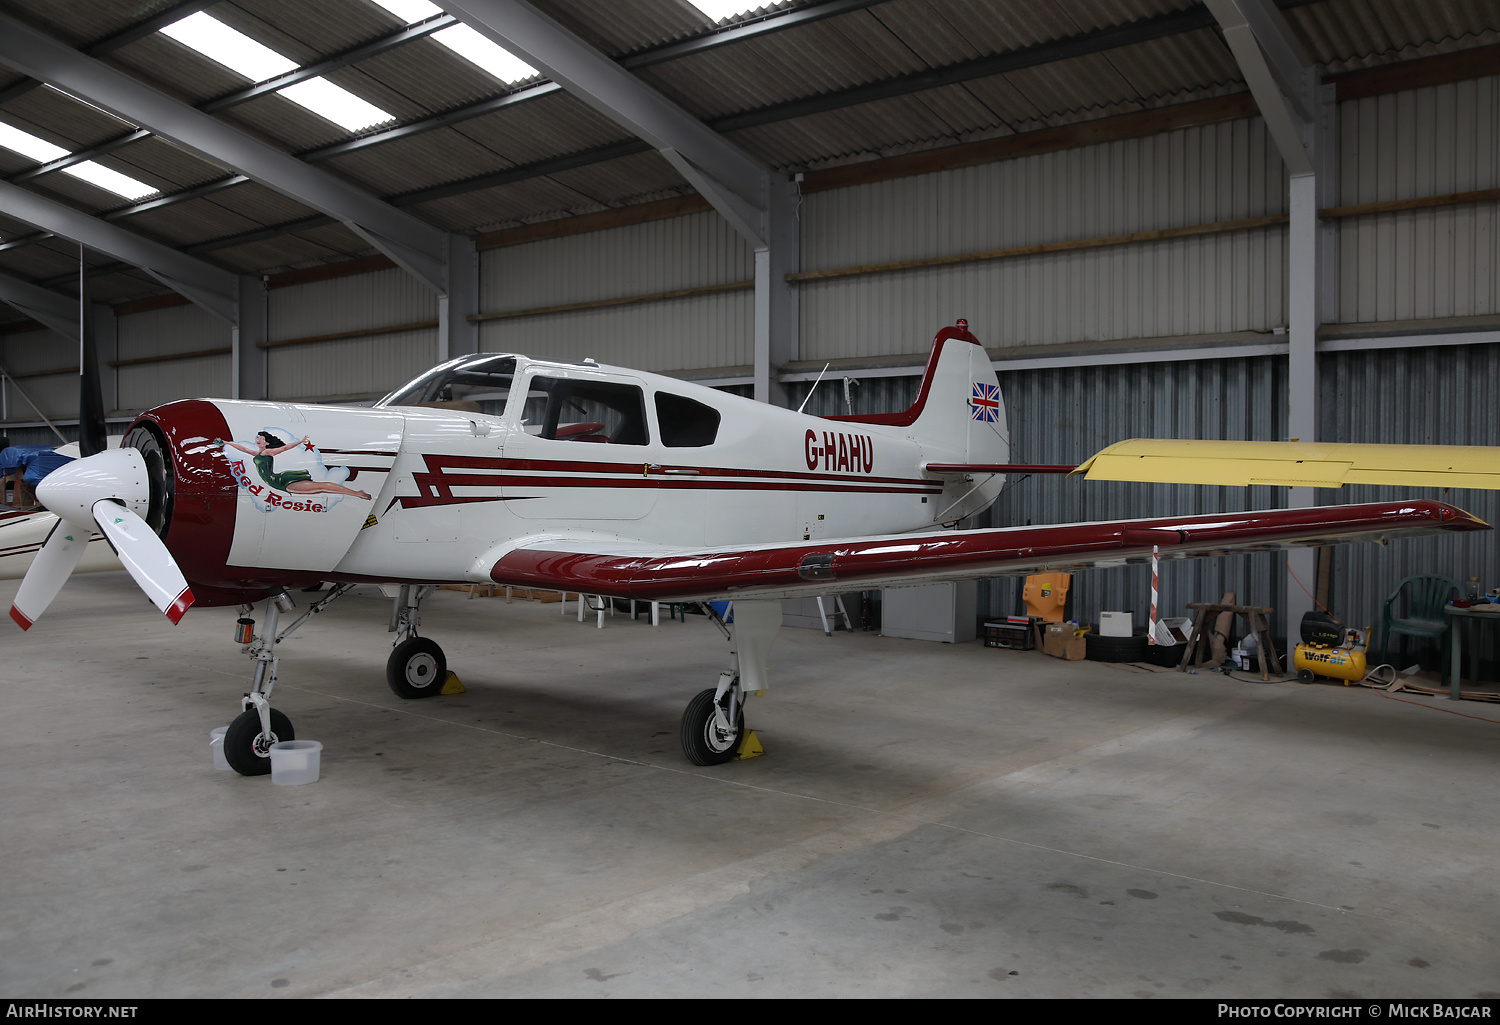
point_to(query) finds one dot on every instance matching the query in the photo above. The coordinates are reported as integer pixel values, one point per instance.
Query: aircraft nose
(72, 490)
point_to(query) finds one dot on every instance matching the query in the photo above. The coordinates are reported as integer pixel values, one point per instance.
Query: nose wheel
(416, 668)
(247, 746)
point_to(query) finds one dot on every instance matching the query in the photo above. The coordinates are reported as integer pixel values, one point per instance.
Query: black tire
(416, 668)
(1304, 676)
(247, 752)
(1116, 649)
(702, 741)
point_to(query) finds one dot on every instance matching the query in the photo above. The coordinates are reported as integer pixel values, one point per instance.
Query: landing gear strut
(713, 725)
(417, 667)
(247, 742)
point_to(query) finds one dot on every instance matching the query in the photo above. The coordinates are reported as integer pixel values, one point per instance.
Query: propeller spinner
(106, 492)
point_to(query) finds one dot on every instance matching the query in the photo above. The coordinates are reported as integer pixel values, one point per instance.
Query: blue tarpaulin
(37, 461)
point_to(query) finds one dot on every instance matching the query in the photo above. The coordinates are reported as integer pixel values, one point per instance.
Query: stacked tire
(1116, 649)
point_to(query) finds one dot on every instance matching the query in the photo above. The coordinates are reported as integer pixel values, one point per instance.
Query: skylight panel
(112, 181)
(464, 41)
(723, 10)
(259, 63)
(410, 11)
(484, 54)
(42, 151)
(29, 145)
(338, 105)
(230, 47)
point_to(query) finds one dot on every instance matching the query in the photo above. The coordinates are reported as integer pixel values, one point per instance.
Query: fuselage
(433, 491)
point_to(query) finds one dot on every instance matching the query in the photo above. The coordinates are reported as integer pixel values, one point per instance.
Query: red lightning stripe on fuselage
(444, 473)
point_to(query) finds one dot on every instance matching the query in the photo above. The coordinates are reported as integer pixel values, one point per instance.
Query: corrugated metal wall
(1231, 282)
(30, 351)
(1434, 396)
(170, 330)
(1416, 264)
(677, 334)
(352, 366)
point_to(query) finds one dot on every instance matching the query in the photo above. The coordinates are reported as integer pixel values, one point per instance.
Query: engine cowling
(251, 497)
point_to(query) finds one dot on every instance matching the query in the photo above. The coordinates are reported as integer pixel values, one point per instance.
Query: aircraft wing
(1295, 464)
(622, 569)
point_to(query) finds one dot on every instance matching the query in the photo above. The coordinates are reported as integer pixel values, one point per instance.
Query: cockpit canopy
(561, 406)
(471, 384)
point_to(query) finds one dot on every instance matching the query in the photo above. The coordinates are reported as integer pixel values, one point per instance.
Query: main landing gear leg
(417, 667)
(247, 742)
(713, 725)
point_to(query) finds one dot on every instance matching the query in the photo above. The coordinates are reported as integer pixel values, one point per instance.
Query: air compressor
(1330, 649)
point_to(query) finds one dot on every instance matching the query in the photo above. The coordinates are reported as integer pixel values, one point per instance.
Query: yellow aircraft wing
(1295, 464)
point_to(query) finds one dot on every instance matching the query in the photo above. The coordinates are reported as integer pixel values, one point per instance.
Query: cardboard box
(1059, 642)
(1173, 630)
(1116, 624)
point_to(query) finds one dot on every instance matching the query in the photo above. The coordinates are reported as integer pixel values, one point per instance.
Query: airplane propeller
(101, 492)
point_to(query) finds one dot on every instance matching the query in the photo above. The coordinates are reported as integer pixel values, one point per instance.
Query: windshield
(472, 384)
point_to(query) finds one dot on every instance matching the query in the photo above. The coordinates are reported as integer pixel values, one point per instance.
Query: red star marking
(307, 445)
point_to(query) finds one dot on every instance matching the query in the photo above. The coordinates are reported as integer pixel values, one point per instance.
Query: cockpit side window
(685, 423)
(562, 409)
(478, 385)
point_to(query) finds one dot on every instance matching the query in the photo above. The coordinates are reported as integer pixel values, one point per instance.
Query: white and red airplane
(599, 480)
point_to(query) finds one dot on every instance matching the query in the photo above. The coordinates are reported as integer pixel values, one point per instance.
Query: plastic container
(216, 743)
(294, 762)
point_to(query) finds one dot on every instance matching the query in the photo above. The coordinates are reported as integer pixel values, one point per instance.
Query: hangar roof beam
(410, 242)
(43, 305)
(1280, 74)
(214, 289)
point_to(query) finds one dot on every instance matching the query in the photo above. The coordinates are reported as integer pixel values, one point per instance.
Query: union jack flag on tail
(984, 404)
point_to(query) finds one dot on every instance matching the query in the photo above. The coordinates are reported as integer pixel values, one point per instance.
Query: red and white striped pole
(1155, 562)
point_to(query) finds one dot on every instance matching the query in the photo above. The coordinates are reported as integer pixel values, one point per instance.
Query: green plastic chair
(1426, 594)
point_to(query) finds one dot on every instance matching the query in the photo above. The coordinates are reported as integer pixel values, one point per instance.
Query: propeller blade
(92, 438)
(49, 570)
(145, 558)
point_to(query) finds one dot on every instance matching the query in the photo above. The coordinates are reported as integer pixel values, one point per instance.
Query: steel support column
(1311, 298)
(777, 305)
(457, 334)
(247, 359)
(1301, 118)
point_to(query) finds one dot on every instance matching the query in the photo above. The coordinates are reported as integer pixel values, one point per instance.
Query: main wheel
(702, 740)
(1304, 676)
(247, 749)
(416, 668)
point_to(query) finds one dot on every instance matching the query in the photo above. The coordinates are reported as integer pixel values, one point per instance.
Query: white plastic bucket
(216, 744)
(294, 762)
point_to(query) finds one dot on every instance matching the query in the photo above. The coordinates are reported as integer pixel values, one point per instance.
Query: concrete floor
(930, 820)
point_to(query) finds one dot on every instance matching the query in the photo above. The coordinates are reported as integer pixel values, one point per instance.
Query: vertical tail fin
(959, 413)
(958, 418)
